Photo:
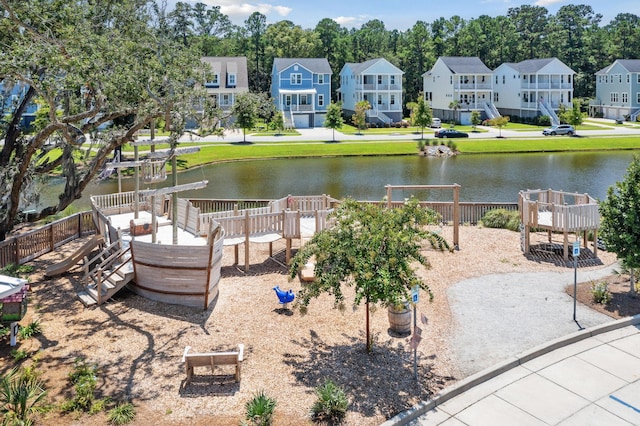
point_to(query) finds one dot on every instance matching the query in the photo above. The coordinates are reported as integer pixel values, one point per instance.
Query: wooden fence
(28, 246)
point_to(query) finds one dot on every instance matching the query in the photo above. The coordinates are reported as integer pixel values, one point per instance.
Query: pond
(484, 178)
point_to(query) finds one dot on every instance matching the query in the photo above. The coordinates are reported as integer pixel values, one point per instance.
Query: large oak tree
(87, 64)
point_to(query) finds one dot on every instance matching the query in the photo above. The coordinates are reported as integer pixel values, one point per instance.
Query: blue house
(301, 89)
(618, 91)
(10, 97)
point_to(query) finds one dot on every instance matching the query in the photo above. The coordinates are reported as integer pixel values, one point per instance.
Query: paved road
(321, 134)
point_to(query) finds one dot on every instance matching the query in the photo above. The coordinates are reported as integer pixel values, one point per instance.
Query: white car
(562, 129)
(436, 123)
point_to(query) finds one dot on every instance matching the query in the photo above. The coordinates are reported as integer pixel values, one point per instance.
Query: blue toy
(284, 296)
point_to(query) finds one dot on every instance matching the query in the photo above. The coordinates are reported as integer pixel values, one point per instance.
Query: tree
(455, 106)
(334, 119)
(360, 117)
(421, 115)
(371, 248)
(475, 118)
(574, 115)
(277, 122)
(256, 26)
(620, 221)
(246, 109)
(84, 62)
(500, 122)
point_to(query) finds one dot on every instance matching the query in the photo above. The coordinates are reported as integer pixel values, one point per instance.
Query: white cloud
(239, 10)
(345, 20)
(548, 2)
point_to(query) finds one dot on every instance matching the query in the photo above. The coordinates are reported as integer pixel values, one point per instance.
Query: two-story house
(11, 95)
(618, 91)
(533, 87)
(229, 78)
(377, 81)
(301, 90)
(457, 85)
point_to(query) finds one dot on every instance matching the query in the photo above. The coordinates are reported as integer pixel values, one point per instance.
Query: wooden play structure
(558, 211)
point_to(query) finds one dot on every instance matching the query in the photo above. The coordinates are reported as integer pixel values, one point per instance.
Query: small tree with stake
(620, 221)
(334, 118)
(421, 115)
(371, 248)
(360, 117)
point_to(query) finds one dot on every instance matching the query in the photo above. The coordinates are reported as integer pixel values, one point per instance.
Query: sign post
(576, 254)
(415, 297)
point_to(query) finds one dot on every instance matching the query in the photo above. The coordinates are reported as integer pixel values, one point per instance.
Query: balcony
(378, 87)
(472, 86)
(547, 86)
(297, 108)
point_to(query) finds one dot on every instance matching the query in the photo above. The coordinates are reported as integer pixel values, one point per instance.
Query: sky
(396, 14)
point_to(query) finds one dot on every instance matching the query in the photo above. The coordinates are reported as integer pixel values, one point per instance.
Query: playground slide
(76, 257)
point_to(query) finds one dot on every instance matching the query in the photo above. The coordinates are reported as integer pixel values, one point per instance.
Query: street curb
(464, 385)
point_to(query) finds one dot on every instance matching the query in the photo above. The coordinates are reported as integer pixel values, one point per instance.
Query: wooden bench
(212, 359)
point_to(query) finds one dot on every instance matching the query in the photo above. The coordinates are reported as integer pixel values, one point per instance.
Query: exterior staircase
(633, 117)
(547, 110)
(491, 110)
(106, 274)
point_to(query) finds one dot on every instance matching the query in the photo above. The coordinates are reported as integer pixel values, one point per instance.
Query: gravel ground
(501, 315)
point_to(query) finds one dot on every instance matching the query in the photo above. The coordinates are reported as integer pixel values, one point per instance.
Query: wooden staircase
(106, 274)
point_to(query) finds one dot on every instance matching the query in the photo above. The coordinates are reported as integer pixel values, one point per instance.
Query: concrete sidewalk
(591, 377)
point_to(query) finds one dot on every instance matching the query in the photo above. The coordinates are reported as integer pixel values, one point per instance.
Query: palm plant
(259, 410)
(20, 397)
(331, 405)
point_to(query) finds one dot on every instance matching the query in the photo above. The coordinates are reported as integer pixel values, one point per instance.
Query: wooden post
(247, 231)
(154, 220)
(566, 245)
(389, 191)
(456, 216)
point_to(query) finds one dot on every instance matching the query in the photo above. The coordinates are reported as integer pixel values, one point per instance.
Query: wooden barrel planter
(400, 319)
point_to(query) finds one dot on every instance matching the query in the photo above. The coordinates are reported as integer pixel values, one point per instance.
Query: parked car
(436, 123)
(562, 129)
(450, 133)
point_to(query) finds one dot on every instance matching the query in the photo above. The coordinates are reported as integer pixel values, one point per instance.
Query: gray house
(617, 91)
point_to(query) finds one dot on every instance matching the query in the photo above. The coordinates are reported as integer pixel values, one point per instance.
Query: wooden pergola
(456, 203)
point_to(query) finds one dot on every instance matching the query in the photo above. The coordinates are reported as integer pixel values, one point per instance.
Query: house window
(451, 79)
(619, 78)
(225, 100)
(320, 100)
(561, 98)
(379, 99)
(379, 79)
(213, 82)
(625, 97)
(628, 78)
(495, 97)
(504, 79)
(320, 78)
(496, 79)
(638, 97)
(296, 78)
(639, 77)
(392, 79)
(606, 78)
(614, 97)
(304, 99)
(393, 100)
(231, 79)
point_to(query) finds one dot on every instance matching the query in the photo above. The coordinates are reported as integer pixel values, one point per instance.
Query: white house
(377, 81)
(466, 80)
(618, 91)
(230, 77)
(533, 87)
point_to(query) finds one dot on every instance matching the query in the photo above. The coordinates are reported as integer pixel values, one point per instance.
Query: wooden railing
(28, 246)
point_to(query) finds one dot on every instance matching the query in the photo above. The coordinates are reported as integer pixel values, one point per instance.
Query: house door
(287, 102)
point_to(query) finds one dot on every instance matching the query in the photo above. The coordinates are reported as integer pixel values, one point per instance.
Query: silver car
(562, 129)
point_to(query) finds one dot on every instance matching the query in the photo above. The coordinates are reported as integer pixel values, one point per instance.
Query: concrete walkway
(588, 378)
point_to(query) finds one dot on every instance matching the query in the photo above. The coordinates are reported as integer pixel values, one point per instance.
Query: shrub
(544, 120)
(122, 414)
(501, 218)
(18, 271)
(421, 145)
(331, 405)
(84, 382)
(259, 410)
(600, 293)
(19, 354)
(30, 330)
